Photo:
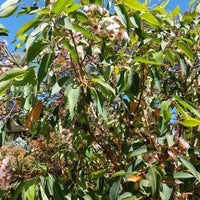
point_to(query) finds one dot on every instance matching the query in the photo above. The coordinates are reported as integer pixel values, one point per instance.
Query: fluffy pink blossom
(5, 173)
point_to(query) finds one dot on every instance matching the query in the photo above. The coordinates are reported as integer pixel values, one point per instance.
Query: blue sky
(14, 23)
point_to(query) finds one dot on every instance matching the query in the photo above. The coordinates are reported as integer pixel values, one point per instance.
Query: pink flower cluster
(5, 173)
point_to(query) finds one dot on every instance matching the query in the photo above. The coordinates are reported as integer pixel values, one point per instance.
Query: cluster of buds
(5, 173)
(106, 26)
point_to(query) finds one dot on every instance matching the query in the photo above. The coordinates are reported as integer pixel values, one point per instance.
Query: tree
(111, 94)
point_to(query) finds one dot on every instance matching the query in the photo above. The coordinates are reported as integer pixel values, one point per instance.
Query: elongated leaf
(186, 50)
(99, 102)
(8, 3)
(122, 14)
(154, 180)
(103, 83)
(114, 190)
(148, 17)
(82, 30)
(8, 11)
(27, 26)
(54, 188)
(136, 5)
(35, 50)
(72, 50)
(190, 122)
(190, 167)
(99, 173)
(188, 105)
(138, 152)
(12, 74)
(2, 133)
(3, 30)
(146, 61)
(176, 11)
(167, 191)
(59, 6)
(182, 175)
(120, 173)
(132, 84)
(43, 195)
(44, 66)
(4, 86)
(72, 95)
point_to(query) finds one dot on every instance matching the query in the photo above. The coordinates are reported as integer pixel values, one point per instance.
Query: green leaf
(158, 56)
(188, 105)
(72, 7)
(190, 167)
(72, 94)
(136, 20)
(182, 175)
(150, 19)
(186, 50)
(132, 83)
(72, 50)
(43, 195)
(82, 30)
(135, 5)
(145, 60)
(8, 11)
(65, 22)
(59, 6)
(101, 82)
(3, 30)
(114, 190)
(190, 122)
(8, 3)
(154, 180)
(99, 173)
(99, 102)
(176, 11)
(46, 62)
(2, 131)
(120, 173)
(138, 152)
(170, 57)
(30, 189)
(165, 110)
(183, 65)
(4, 86)
(167, 191)
(12, 74)
(35, 50)
(30, 24)
(122, 14)
(54, 188)
(108, 72)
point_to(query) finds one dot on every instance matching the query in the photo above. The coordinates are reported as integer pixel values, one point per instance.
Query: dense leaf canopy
(107, 98)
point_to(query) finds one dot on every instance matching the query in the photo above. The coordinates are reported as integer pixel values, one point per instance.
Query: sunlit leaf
(59, 6)
(4, 86)
(186, 50)
(189, 121)
(8, 11)
(12, 74)
(188, 105)
(135, 5)
(72, 50)
(150, 19)
(122, 14)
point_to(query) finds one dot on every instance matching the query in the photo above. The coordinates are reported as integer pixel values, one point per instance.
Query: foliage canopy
(109, 95)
